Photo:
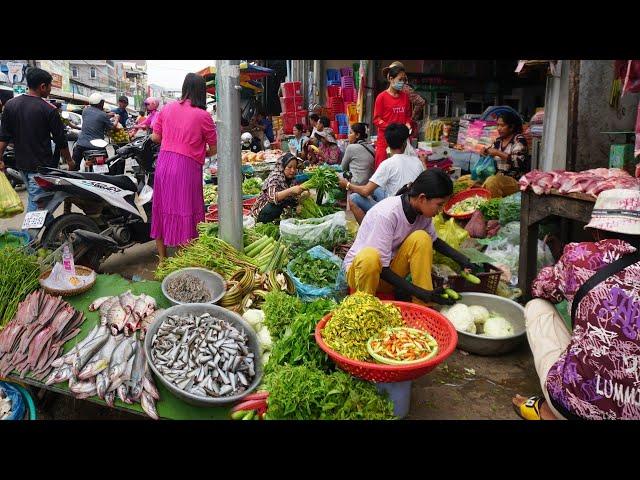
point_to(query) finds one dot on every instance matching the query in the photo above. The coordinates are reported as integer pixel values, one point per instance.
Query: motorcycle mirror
(65, 115)
(98, 143)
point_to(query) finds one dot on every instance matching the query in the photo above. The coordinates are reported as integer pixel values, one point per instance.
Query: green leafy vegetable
(252, 186)
(319, 272)
(19, 274)
(305, 393)
(269, 229)
(279, 311)
(323, 179)
(491, 209)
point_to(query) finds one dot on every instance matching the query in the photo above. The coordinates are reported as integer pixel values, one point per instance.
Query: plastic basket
(288, 121)
(343, 119)
(335, 125)
(346, 72)
(333, 75)
(483, 192)
(415, 316)
(291, 89)
(348, 94)
(333, 91)
(489, 280)
(212, 216)
(343, 130)
(291, 104)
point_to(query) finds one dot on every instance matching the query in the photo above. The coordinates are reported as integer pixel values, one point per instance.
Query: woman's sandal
(530, 409)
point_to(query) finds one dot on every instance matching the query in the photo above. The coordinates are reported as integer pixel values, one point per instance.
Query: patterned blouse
(598, 376)
(518, 152)
(329, 154)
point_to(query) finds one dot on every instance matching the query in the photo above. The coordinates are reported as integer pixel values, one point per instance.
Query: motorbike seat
(60, 172)
(94, 153)
(120, 181)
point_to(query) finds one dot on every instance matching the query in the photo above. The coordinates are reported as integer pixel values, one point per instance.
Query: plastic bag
(10, 203)
(453, 234)
(484, 168)
(506, 253)
(510, 209)
(11, 395)
(302, 235)
(501, 185)
(309, 293)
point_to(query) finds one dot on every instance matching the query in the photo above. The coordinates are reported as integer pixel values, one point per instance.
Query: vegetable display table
(535, 208)
(169, 406)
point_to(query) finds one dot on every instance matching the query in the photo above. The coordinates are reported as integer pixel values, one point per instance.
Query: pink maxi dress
(178, 202)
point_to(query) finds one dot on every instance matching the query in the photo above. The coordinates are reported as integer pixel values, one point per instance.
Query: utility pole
(229, 160)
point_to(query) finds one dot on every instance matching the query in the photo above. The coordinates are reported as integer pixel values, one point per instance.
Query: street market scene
(320, 239)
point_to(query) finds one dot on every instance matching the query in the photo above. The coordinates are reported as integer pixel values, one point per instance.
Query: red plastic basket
(291, 104)
(212, 216)
(483, 192)
(291, 89)
(288, 121)
(333, 91)
(415, 316)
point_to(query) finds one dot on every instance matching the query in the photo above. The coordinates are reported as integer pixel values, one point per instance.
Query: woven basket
(80, 270)
(489, 280)
(415, 316)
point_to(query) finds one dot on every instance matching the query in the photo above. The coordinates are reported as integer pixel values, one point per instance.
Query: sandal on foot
(530, 409)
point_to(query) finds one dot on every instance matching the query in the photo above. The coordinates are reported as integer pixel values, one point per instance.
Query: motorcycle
(117, 208)
(13, 175)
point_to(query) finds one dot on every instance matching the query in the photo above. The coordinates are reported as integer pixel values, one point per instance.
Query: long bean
(19, 273)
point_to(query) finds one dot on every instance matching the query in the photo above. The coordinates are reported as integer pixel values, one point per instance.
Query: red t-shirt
(390, 109)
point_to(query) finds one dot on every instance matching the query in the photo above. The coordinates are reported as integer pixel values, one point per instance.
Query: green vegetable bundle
(268, 229)
(207, 251)
(267, 254)
(252, 186)
(319, 272)
(279, 311)
(491, 209)
(310, 209)
(305, 393)
(297, 345)
(323, 179)
(355, 321)
(19, 274)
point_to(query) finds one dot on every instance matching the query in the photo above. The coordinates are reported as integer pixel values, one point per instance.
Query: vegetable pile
(323, 179)
(279, 311)
(252, 186)
(319, 272)
(491, 209)
(402, 345)
(359, 317)
(19, 273)
(477, 320)
(466, 206)
(268, 229)
(210, 193)
(305, 393)
(267, 254)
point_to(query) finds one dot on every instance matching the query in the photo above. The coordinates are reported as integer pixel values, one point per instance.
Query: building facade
(87, 76)
(131, 80)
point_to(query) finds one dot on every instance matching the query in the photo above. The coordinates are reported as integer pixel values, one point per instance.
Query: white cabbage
(461, 318)
(497, 327)
(479, 313)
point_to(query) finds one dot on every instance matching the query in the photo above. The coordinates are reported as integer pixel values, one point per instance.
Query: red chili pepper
(256, 396)
(251, 405)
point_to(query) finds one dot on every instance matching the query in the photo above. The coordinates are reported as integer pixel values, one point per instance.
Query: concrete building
(87, 76)
(131, 80)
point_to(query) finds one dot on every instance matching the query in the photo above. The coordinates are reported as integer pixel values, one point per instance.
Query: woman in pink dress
(186, 133)
(152, 105)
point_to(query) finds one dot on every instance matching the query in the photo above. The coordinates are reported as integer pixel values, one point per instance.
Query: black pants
(78, 151)
(269, 213)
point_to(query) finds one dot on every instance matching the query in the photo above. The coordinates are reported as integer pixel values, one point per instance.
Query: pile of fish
(203, 355)
(105, 365)
(34, 338)
(188, 289)
(126, 312)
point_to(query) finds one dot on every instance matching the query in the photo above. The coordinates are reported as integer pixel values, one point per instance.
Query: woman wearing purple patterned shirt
(594, 371)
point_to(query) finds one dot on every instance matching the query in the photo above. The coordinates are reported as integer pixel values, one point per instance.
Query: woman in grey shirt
(359, 156)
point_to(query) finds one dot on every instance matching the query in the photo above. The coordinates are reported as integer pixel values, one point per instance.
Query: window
(74, 72)
(92, 72)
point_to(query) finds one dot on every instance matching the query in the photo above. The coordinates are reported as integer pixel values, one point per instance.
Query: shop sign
(57, 81)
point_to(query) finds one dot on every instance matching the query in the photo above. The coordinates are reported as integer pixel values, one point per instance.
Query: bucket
(400, 395)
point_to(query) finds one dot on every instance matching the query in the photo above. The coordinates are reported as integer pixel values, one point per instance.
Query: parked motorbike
(13, 175)
(117, 208)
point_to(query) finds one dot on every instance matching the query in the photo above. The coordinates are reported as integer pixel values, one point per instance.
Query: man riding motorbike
(95, 125)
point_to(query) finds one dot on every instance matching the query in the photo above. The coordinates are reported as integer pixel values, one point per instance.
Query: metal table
(536, 208)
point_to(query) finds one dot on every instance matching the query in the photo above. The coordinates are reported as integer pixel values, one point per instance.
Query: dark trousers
(269, 213)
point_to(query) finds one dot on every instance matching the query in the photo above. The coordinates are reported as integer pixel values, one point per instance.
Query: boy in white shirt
(392, 174)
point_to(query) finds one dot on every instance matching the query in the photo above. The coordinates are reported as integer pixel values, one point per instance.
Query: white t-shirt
(396, 171)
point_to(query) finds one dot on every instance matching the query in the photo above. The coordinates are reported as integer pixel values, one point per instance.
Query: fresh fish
(60, 375)
(82, 389)
(122, 393)
(127, 301)
(121, 355)
(102, 384)
(138, 373)
(116, 318)
(124, 378)
(83, 355)
(100, 360)
(149, 386)
(60, 361)
(110, 398)
(105, 307)
(149, 405)
(95, 305)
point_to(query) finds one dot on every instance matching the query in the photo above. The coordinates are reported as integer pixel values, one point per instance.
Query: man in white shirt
(392, 174)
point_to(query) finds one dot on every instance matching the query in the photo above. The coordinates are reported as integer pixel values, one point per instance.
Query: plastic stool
(400, 395)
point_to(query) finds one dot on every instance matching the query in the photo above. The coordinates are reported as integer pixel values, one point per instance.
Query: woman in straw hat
(593, 371)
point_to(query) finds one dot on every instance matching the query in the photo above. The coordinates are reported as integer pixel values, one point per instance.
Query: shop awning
(69, 97)
(247, 72)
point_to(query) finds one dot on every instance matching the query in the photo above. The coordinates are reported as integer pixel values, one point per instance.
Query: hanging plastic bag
(302, 235)
(10, 203)
(309, 293)
(453, 234)
(484, 168)
(501, 185)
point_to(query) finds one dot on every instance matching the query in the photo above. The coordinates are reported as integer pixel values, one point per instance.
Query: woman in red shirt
(392, 106)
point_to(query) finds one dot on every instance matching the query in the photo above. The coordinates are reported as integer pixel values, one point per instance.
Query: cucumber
(249, 415)
(470, 278)
(238, 415)
(453, 295)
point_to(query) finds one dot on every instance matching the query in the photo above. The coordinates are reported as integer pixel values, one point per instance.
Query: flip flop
(530, 409)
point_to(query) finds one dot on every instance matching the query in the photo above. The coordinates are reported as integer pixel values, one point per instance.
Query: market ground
(465, 387)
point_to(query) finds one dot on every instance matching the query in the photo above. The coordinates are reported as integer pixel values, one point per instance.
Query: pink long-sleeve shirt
(185, 130)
